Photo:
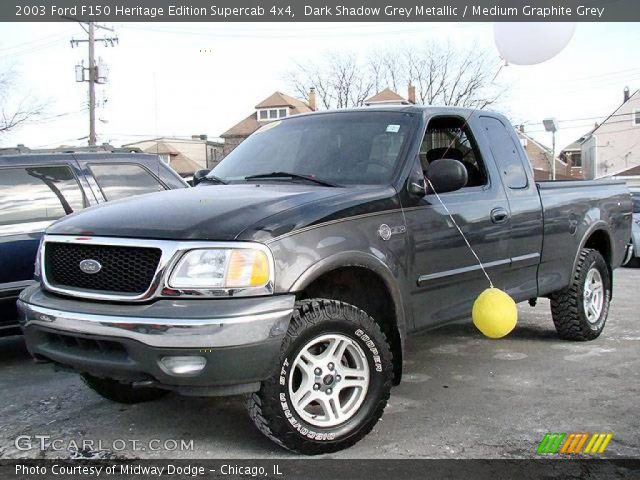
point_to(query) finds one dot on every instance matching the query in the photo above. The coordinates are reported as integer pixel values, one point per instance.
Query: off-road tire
(271, 409)
(567, 305)
(122, 392)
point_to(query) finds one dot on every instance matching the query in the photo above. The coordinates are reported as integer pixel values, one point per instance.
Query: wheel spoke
(329, 408)
(361, 382)
(303, 397)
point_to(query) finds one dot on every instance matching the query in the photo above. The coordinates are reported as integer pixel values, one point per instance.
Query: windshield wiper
(213, 179)
(291, 175)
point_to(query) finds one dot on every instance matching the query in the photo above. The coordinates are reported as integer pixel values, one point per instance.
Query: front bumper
(240, 338)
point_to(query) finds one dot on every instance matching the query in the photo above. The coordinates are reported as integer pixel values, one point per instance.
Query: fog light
(182, 366)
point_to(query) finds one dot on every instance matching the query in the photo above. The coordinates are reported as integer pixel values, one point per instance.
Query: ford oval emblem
(90, 266)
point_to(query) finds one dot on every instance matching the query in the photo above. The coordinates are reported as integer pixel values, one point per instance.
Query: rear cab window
(38, 194)
(122, 180)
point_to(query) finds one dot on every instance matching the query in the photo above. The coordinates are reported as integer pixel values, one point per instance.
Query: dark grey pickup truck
(295, 269)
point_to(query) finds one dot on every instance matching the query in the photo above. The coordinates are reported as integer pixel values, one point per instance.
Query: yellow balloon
(494, 313)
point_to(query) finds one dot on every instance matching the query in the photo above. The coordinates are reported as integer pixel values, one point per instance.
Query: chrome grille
(125, 269)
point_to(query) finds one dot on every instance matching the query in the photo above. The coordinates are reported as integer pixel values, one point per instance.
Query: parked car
(36, 190)
(294, 271)
(634, 257)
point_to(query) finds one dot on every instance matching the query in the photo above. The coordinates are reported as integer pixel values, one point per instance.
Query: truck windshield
(346, 148)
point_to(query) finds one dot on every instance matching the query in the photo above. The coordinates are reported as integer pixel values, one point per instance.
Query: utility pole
(92, 86)
(94, 77)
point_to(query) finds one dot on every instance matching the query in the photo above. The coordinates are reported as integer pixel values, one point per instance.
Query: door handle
(499, 215)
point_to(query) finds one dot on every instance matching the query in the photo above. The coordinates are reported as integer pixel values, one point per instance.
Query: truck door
(525, 206)
(446, 277)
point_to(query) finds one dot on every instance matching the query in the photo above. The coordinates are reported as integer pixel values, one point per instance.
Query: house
(389, 97)
(612, 149)
(275, 106)
(571, 155)
(184, 155)
(540, 157)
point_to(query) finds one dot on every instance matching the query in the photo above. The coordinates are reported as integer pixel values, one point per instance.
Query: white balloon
(523, 43)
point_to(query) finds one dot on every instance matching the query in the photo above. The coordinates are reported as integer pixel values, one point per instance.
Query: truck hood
(257, 212)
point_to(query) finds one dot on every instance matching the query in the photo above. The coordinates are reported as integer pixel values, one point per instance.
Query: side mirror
(447, 175)
(199, 175)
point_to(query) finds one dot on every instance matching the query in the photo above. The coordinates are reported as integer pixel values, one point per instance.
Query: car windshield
(346, 148)
(636, 203)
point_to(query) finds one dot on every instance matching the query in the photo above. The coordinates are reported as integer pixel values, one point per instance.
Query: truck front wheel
(580, 310)
(121, 392)
(332, 383)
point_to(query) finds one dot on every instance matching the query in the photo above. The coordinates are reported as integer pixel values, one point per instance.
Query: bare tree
(339, 80)
(15, 111)
(442, 75)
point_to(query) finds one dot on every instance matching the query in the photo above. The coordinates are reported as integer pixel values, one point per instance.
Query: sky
(179, 79)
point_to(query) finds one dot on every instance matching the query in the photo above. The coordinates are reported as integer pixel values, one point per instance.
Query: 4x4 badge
(385, 231)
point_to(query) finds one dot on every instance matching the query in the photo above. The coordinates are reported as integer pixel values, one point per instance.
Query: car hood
(225, 212)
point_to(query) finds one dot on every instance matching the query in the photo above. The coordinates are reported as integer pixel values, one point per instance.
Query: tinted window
(636, 203)
(343, 148)
(38, 194)
(450, 137)
(124, 180)
(505, 153)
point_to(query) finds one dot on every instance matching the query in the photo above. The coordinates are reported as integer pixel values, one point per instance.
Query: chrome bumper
(628, 254)
(240, 328)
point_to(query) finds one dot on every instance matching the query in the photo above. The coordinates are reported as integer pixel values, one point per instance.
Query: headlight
(222, 268)
(37, 268)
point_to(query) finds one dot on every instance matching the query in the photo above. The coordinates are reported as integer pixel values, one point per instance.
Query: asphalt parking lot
(463, 396)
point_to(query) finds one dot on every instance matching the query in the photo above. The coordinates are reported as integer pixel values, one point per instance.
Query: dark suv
(36, 190)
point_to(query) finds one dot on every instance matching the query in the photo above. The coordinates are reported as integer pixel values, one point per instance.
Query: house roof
(181, 163)
(250, 124)
(386, 96)
(279, 99)
(243, 128)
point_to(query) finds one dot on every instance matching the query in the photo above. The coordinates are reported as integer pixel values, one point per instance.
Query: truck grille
(128, 270)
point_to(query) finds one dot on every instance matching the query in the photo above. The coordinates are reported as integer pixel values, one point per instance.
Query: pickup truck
(295, 269)
(37, 189)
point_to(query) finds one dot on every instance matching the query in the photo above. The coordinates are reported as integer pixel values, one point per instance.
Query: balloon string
(453, 140)
(464, 237)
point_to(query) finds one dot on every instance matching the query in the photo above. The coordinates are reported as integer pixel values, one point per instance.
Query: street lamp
(551, 125)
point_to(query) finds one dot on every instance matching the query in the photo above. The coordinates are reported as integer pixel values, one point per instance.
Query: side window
(124, 180)
(505, 153)
(450, 137)
(38, 194)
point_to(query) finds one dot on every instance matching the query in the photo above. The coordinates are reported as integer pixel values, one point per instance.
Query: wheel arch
(597, 238)
(374, 289)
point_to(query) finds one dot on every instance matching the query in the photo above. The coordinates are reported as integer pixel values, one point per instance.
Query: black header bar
(321, 10)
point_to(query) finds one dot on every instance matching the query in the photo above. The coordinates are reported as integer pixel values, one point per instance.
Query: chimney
(312, 98)
(626, 94)
(412, 94)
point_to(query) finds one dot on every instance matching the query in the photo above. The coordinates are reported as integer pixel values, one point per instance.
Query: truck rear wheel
(332, 383)
(580, 310)
(121, 392)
